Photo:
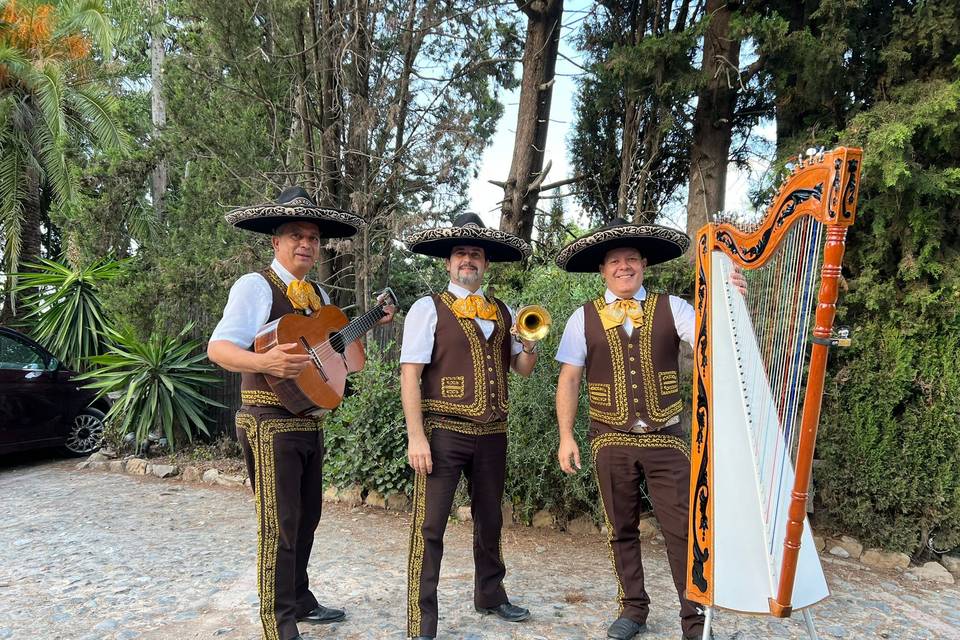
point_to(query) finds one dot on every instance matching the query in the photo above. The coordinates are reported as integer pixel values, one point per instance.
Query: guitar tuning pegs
(811, 151)
(800, 161)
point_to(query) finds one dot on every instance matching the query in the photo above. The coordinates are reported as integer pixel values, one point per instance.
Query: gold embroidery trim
(415, 555)
(650, 390)
(640, 440)
(257, 398)
(669, 382)
(452, 386)
(618, 417)
(599, 393)
(261, 438)
(468, 428)
(644, 440)
(278, 282)
(479, 405)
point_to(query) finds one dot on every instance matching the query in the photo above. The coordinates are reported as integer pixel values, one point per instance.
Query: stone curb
(945, 572)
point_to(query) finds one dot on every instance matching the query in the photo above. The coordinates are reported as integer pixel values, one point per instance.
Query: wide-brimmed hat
(656, 243)
(468, 229)
(295, 205)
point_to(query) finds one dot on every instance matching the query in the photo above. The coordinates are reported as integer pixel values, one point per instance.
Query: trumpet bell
(533, 322)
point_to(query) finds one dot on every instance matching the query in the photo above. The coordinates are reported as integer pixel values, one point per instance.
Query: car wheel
(86, 432)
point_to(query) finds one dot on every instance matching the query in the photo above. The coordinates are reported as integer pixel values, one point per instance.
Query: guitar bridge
(315, 358)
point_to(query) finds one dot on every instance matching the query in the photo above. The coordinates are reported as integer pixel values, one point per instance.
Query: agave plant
(157, 383)
(66, 314)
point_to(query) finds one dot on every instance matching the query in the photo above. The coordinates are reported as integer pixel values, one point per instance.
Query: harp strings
(781, 299)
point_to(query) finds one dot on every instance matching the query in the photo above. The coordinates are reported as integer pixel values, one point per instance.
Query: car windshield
(15, 354)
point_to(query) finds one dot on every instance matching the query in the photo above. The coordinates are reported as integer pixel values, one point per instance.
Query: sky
(495, 162)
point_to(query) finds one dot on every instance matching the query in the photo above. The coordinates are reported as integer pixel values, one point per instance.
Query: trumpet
(533, 322)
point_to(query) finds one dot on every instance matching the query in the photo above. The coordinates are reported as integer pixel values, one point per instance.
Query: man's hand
(737, 280)
(418, 455)
(389, 309)
(569, 455)
(282, 364)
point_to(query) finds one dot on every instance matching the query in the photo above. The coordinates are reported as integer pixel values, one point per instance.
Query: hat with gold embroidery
(295, 205)
(468, 230)
(656, 243)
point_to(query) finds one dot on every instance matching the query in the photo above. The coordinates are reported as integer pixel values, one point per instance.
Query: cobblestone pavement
(93, 555)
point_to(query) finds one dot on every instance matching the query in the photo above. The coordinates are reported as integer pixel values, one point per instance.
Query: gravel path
(90, 555)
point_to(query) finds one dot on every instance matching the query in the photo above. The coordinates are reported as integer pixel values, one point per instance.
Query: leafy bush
(66, 310)
(366, 437)
(890, 434)
(159, 383)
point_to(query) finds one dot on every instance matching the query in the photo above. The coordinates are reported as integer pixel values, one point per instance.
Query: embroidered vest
(254, 389)
(467, 374)
(635, 378)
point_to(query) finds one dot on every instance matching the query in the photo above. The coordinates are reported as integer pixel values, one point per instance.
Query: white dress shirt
(420, 326)
(573, 344)
(249, 304)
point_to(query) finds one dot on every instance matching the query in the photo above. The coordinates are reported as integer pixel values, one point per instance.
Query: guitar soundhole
(338, 343)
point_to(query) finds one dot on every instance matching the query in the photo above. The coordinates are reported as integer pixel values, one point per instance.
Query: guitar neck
(357, 327)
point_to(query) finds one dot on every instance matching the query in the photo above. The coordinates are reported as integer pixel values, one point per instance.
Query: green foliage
(66, 307)
(891, 427)
(534, 478)
(159, 382)
(366, 437)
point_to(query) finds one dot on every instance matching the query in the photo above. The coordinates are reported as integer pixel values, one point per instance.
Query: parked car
(40, 404)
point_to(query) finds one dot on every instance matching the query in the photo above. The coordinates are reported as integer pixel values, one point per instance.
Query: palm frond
(90, 16)
(97, 114)
(47, 86)
(52, 158)
(12, 191)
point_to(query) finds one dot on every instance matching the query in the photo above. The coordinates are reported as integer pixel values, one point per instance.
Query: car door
(30, 395)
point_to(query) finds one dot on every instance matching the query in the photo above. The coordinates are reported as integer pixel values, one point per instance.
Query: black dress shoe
(625, 629)
(323, 615)
(507, 611)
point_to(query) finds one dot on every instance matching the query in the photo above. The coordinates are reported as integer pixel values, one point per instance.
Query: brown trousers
(482, 459)
(621, 461)
(284, 458)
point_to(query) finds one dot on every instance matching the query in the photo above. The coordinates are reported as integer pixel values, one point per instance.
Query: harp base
(778, 610)
(807, 620)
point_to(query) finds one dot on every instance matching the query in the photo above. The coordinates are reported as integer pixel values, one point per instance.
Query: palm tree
(53, 112)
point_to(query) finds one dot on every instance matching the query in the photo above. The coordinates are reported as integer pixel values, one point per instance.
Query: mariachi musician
(283, 452)
(627, 343)
(457, 349)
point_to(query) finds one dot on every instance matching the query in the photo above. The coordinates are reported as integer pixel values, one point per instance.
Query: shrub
(159, 384)
(366, 437)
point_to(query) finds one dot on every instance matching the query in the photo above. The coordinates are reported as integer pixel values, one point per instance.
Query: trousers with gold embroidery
(284, 458)
(621, 461)
(479, 452)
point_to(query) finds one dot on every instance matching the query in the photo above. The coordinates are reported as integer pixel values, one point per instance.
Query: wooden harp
(759, 364)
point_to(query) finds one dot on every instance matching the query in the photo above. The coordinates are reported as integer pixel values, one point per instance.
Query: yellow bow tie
(615, 313)
(303, 296)
(474, 307)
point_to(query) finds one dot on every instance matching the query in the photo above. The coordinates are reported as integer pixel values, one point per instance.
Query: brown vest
(467, 374)
(633, 378)
(254, 389)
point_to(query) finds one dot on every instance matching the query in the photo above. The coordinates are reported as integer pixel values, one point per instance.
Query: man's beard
(468, 277)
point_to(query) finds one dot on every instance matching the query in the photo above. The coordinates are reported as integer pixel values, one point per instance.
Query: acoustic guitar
(331, 342)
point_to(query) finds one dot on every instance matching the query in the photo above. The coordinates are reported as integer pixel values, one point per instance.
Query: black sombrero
(295, 205)
(468, 229)
(654, 242)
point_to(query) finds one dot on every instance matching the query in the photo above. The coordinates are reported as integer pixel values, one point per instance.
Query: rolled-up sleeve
(247, 309)
(419, 327)
(684, 318)
(573, 343)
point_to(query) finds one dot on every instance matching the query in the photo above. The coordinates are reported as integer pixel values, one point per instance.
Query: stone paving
(92, 555)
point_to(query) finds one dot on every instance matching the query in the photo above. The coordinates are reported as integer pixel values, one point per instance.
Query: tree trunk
(713, 120)
(522, 188)
(158, 106)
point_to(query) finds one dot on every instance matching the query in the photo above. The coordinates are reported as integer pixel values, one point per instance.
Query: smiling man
(283, 452)
(627, 343)
(457, 350)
